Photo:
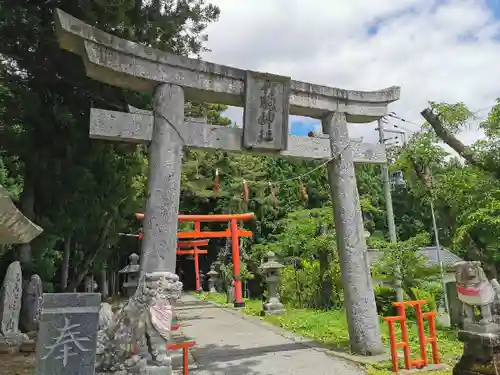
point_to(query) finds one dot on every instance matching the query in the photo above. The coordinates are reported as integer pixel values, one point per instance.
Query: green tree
(78, 190)
(401, 261)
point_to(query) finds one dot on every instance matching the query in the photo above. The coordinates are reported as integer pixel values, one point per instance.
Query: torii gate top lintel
(198, 219)
(133, 66)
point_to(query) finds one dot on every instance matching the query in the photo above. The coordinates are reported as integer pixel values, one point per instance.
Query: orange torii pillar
(195, 251)
(232, 232)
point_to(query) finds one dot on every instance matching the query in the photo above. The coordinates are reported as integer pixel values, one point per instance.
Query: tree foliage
(401, 261)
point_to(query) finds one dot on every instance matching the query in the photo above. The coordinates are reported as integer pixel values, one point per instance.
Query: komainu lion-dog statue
(474, 289)
(135, 340)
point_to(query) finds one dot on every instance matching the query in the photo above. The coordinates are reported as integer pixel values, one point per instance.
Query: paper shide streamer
(216, 186)
(246, 192)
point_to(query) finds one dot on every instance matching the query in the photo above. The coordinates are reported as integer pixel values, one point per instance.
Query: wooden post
(197, 270)
(235, 247)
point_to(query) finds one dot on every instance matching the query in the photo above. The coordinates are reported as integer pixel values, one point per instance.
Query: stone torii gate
(267, 100)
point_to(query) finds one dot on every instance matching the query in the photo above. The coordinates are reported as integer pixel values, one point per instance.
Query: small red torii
(232, 232)
(195, 251)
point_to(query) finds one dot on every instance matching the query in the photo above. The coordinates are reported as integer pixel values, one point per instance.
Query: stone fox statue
(139, 334)
(474, 289)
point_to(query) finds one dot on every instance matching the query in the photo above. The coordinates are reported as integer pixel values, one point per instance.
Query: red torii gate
(195, 251)
(232, 232)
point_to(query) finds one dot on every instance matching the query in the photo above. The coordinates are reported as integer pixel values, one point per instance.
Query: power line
(395, 116)
(285, 180)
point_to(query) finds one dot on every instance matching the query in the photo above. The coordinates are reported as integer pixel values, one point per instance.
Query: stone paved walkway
(228, 344)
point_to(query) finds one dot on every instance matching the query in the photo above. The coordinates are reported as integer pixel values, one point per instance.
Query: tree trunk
(463, 150)
(410, 293)
(326, 292)
(113, 283)
(65, 264)
(90, 261)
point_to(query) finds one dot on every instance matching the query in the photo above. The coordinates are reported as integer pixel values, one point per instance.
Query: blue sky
(303, 126)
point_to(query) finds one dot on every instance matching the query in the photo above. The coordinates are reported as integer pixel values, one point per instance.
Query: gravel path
(227, 344)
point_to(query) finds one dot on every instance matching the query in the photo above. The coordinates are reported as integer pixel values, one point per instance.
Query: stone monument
(67, 336)
(32, 305)
(15, 228)
(131, 275)
(480, 334)
(268, 100)
(271, 269)
(10, 307)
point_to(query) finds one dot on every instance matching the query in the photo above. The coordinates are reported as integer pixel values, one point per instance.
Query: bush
(436, 290)
(302, 287)
(384, 297)
(422, 294)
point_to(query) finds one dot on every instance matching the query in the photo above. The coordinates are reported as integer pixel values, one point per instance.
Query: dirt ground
(17, 364)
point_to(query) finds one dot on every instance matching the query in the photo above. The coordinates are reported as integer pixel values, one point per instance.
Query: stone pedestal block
(481, 354)
(273, 308)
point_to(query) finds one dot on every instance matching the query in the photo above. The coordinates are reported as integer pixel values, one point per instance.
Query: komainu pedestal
(481, 354)
(136, 343)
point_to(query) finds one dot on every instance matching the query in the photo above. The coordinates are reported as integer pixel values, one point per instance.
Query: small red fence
(404, 343)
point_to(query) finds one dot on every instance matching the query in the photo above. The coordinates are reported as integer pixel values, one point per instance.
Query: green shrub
(436, 290)
(422, 294)
(384, 297)
(302, 287)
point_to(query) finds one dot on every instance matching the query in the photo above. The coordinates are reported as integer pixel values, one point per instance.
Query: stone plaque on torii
(267, 100)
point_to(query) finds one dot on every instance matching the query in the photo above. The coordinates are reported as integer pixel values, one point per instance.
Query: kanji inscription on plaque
(266, 111)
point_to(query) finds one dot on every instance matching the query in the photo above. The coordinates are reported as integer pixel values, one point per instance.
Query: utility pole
(390, 212)
(438, 247)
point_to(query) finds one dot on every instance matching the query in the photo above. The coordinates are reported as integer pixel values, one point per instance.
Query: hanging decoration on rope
(272, 185)
(303, 192)
(273, 196)
(246, 192)
(216, 186)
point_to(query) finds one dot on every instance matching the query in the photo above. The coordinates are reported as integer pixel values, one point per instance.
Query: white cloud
(440, 51)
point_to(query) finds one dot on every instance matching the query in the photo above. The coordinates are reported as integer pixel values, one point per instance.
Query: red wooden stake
(235, 245)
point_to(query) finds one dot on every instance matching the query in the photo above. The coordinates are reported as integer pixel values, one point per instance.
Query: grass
(330, 328)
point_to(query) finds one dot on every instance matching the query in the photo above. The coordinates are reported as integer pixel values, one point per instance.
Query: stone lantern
(213, 278)
(131, 272)
(219, 283)
(271, 270)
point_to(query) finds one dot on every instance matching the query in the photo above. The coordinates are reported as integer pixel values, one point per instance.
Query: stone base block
(273, 309)
(11, 344)
(29, 346)
(272, 312)
(177, 357)
(481, 354)
(427, 369)
(149, 370)
(159, 370)
(478, 328)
